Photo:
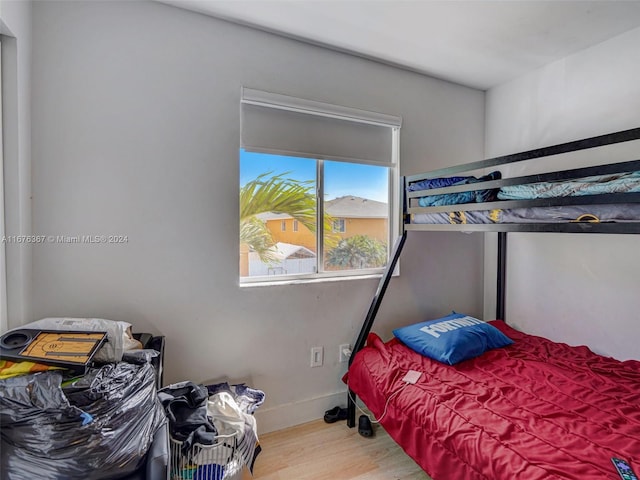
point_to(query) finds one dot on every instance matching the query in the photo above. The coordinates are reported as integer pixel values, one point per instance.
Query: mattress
(623, 212)
(625, 182)
(628, 182)
(534, 410)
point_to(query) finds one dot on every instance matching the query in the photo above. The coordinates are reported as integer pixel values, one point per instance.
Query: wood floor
(321, 451)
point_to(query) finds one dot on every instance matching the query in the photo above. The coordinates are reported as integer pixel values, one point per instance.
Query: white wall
(136, 132)
(572, 288)
(15, 26)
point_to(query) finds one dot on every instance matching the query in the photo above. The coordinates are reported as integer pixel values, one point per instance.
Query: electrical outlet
(344, 352)
(317, 356)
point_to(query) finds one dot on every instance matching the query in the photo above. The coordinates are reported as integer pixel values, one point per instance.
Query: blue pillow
(453, 338)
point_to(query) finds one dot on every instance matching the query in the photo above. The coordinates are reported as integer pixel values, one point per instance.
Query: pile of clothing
(213, 415)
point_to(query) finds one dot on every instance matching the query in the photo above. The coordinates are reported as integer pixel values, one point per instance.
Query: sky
(341, 178)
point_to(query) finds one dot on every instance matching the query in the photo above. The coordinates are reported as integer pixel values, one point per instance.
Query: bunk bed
(532, 408)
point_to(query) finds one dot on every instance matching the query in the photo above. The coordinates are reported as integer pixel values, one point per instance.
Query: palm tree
(275, 194)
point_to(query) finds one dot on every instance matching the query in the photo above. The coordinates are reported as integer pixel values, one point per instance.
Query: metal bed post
(502, 276)
(371, 316)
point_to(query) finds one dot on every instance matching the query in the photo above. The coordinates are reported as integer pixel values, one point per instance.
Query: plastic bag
(98, 427)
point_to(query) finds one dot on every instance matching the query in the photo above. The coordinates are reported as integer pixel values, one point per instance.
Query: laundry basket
(220, 461)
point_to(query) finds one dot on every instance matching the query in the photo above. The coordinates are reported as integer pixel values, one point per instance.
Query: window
(319, 167)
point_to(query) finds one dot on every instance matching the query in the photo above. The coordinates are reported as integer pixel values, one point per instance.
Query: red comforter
(534, 410)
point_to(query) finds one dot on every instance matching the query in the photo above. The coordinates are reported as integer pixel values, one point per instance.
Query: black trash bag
(99, 427)
(140, 356)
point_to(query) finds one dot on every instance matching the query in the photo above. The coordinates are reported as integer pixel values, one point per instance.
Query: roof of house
(272, 216)
(282, 251)
(287, 250)
(348, 206)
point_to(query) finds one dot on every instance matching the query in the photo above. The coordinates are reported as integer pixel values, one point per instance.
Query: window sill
(305, 281)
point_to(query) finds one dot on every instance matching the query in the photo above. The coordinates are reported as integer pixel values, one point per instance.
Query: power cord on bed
(410, 378)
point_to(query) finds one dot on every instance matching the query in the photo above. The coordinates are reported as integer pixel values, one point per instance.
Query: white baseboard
(295, 413)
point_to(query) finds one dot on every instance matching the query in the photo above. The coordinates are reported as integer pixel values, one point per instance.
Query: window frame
(341, 113)
(342, 222)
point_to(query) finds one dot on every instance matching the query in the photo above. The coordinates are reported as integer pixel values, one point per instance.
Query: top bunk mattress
(621, 183)
(622, 212)
(443, 199)
(626, 182)
(534, 410)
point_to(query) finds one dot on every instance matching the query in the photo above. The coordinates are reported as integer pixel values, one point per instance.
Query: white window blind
(285, 125)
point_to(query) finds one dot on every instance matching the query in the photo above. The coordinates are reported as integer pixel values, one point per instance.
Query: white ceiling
(479, 43)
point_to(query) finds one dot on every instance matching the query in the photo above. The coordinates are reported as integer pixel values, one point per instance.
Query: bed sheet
(534, 410)
(627, 182)
(623, 212)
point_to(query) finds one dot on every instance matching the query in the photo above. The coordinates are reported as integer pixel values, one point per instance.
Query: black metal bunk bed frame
(502, 229)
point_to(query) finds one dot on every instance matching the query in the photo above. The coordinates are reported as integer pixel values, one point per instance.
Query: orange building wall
(303, 236)
(373, 227)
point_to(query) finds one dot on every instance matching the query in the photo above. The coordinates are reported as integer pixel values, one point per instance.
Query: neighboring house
(296, 245)
(359, 216)
(284, 228)
(351, 216)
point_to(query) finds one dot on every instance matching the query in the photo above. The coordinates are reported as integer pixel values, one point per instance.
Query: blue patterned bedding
(597, 185)
(625, 212)
(457, 198)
